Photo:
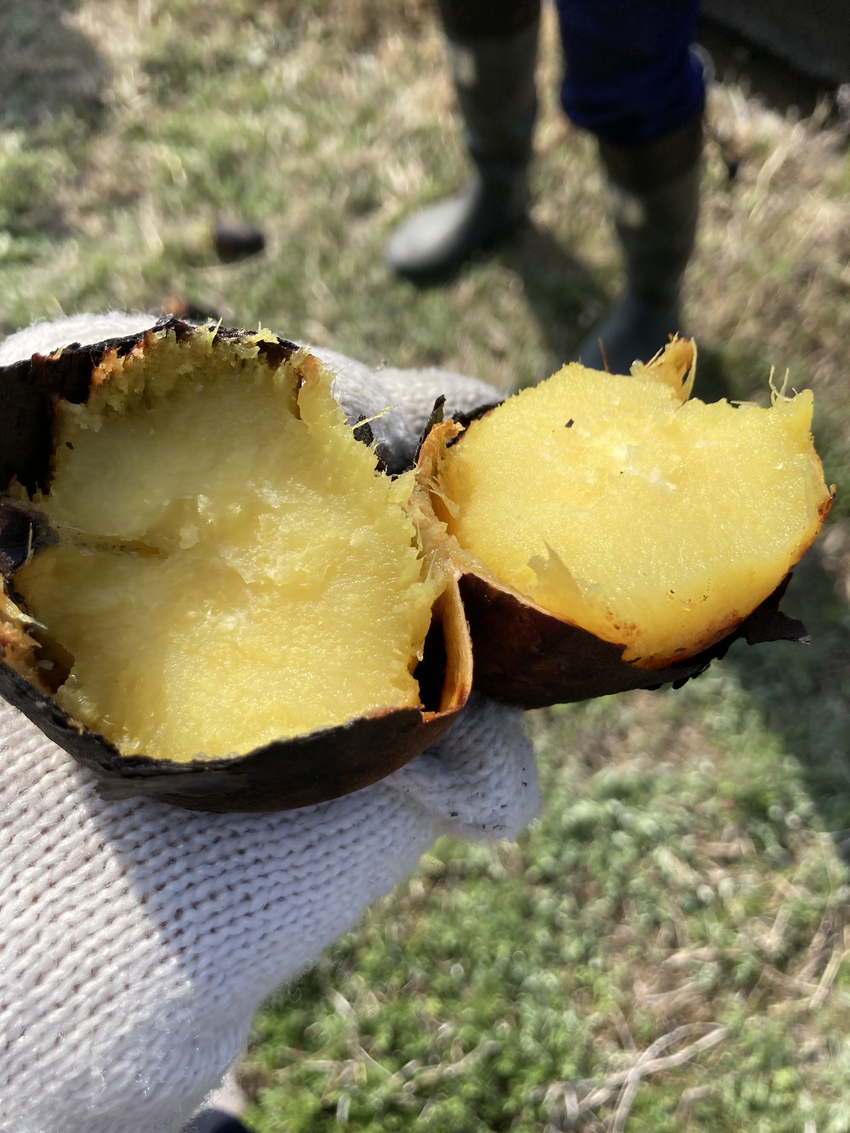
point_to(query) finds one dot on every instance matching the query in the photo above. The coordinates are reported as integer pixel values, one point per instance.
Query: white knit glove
(137, 939)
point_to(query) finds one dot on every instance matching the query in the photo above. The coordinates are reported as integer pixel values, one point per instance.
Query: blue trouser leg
(632, 80)
(630, 75)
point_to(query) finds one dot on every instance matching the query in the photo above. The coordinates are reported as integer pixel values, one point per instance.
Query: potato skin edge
(527, 657)
(30, 390)
(283, 775)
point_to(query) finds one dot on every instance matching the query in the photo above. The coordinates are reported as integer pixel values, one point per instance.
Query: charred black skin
(30, 390)
(283, 775)
(23, 533)
(438, 416)
(526, 657)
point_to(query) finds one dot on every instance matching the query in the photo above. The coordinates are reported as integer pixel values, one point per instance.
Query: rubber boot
(494, 79)
(655, 190)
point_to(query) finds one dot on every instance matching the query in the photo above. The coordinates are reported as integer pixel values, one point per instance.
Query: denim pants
(630, 76)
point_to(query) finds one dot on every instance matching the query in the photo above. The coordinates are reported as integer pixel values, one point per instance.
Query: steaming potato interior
(650, 523)
(232, 569)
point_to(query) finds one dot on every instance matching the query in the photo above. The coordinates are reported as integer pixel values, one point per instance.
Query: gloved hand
(137, 939)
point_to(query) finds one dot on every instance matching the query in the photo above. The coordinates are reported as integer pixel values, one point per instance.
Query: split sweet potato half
(213, 596)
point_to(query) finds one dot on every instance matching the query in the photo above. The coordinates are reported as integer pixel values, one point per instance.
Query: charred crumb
(23, 532)
(362, 431)
(436, 418)
(476, 414)
(570, 423)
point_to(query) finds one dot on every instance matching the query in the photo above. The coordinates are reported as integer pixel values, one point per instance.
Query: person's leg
(492, 51)
(632, 79)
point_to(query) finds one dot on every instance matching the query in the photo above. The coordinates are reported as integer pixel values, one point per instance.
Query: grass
(674, 892)
(665, 947)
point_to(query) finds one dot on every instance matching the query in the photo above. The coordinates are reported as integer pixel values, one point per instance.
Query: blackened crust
(30, 390)
(464, 419)
(23, 533)
(285, 774)
(280, 776)
(531, 659)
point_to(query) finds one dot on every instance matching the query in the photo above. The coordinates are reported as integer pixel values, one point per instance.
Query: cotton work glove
(137, 939)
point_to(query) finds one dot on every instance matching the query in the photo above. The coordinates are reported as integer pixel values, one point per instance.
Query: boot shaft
(497, 95)
(655, 198)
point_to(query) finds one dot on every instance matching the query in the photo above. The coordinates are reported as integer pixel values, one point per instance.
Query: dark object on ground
(236, 240)
(215, 1121)
(182, 308)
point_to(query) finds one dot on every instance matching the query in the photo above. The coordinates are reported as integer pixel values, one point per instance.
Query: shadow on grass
(563, 295)
(713, 381)
(803, 692)
(567, 300)
(47, 67)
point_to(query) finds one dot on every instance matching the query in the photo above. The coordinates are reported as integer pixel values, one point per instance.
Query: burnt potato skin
(524, 656)
(30, 389)
(286, 774)
(280, 776)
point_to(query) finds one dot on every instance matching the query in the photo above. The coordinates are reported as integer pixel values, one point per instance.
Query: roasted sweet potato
(610, 533)
(213, 596)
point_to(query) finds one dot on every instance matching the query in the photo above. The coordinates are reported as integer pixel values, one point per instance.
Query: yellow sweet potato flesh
(651, 523)
(231, 569)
